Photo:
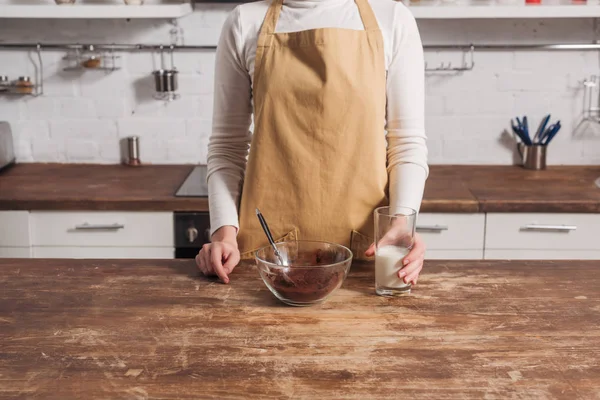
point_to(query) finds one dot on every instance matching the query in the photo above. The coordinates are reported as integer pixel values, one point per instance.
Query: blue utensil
(520, 131)
(541, 130)
(552, 133)
(517, 131)
(526, 129)
(546, 132)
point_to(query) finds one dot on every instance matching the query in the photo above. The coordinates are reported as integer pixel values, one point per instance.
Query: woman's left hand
(413, 262)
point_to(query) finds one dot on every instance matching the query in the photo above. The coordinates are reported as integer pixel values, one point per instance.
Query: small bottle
(24, 85)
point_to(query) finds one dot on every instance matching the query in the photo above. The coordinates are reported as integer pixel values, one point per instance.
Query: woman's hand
(413, 262)
(220, 256)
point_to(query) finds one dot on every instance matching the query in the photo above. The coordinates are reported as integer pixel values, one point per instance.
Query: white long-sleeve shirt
(234, 73)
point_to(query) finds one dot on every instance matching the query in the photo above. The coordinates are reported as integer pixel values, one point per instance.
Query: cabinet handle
(88, 227)
(560, 228)
(432, 228)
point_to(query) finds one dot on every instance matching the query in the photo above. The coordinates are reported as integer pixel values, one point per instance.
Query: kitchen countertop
(152, 188)
(74, 329)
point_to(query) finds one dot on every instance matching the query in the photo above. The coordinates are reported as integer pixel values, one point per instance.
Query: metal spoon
(267, 231)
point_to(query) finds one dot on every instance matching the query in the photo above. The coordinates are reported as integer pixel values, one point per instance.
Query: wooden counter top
(152, 188)
(72, 187)
(116, 329)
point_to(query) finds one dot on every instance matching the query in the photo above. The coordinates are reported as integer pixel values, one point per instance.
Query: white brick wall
(82, 117)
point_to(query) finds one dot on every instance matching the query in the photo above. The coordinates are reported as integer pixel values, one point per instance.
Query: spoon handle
(265, 227)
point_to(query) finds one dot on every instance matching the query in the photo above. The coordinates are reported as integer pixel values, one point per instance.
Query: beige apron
(317, 162)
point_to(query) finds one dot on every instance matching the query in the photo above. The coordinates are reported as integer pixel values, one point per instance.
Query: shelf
(505, 11)
(163, 11)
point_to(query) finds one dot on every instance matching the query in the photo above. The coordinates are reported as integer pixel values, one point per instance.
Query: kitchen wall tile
(83, 114)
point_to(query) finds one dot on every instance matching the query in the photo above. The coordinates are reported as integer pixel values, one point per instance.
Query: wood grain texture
(85, 329)
(449, 188)
(513, 189)
(75, 187)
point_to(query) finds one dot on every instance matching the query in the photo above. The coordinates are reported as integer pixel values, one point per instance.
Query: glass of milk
(394, 237)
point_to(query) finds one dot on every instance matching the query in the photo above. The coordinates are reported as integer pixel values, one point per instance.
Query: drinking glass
(394, 237)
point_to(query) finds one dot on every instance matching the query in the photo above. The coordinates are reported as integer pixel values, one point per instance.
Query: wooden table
(77, 329)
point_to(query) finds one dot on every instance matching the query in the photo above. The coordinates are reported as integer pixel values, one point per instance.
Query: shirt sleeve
(230, 138)
(405, 125)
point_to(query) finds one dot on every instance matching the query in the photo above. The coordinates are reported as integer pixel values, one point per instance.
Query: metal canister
(133, 150)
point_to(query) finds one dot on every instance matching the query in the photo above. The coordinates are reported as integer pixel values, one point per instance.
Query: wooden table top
(449, 188)
(116, 329)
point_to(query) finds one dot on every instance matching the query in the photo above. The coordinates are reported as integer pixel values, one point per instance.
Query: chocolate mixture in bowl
(306, 280)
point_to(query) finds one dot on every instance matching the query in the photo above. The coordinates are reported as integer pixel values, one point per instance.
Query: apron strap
(265, 35)
(367, 15)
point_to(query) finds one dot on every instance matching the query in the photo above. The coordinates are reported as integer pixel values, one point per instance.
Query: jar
(24, 85)
(4, 84)
(91, 58)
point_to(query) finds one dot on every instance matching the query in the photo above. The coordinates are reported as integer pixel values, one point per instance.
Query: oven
(192, 231)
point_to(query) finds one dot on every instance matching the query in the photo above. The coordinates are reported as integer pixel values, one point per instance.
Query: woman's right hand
(220, 256)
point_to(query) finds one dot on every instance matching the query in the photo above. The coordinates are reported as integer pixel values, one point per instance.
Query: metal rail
(158, 47)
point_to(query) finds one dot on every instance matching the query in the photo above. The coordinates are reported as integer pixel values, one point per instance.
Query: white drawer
(15, 252)
(452, 231)
(517, 254)
(454, 254)
(536, 231)
(90, 229)
(14, 229)
(104, 252)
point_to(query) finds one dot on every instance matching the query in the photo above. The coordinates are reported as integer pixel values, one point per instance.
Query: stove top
(195, 184)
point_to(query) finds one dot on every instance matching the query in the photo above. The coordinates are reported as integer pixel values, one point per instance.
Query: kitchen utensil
(165, 80)
(133, 151)
(315, 270)
(541, 129)
(265, 227)
(7, 151)
(551, 133)
(518, 130)
(533, 157)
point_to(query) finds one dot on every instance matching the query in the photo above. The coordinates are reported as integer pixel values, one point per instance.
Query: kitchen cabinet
(98, 234)
(104, 252)
(542, 236)
(452, 235)
(15, 252)
(15, 238)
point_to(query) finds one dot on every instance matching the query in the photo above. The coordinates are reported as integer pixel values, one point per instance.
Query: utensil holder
(533, 157)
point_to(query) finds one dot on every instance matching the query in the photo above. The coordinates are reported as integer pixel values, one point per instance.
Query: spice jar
(4, 84)
(24, 85)
(91, 58)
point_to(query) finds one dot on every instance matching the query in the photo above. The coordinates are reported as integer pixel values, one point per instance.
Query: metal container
(4, 83)
(534, 157)
(165, 80)
(133, 151)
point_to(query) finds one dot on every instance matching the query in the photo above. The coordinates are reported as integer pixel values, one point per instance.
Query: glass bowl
(313, 270)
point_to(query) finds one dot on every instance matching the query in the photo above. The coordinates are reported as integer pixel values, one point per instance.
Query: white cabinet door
(543, 231)
(104, 229)
(519, 254)
(454, 254)
(104, 252)
(15, 252)
(14, 229)
(542, 236)
(452, 236)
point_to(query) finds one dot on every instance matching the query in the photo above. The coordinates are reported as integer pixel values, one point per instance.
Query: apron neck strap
(270, 23)
(367, 15)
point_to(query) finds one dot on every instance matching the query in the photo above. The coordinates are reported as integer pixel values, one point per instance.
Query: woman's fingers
(232, 260)
(216, 260)
(411, 271)
(417, 252)
(370, 251)
(200, 262)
